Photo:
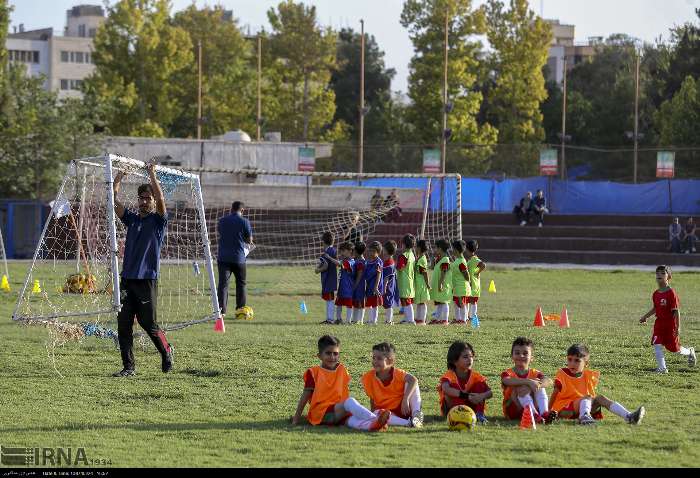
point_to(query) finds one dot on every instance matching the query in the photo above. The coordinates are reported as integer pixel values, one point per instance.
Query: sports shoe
(338, 322)
(167, 363)
(382, 421)
(417, 420)
(127, 372)
(587, 419)
(481, 418)
(420, 322)
(541, 225)
(635, 418)
(407, 322)
(326, 322)
(523, 223)
(550, 417)
(460, 322)
(692, 359)
(661, 371)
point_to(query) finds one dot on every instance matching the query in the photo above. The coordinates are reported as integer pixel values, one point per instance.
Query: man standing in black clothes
(235, 237)
(139, 278)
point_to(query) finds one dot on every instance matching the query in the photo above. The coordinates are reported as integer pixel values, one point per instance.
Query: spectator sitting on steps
(524, 210)
(674, 235)
(539, 206)
(689, 236)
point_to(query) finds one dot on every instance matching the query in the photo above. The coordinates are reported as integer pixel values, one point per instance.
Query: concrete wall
(295, 197)
(209, 154)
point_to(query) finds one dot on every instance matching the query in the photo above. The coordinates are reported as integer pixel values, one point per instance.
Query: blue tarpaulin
(563, 197)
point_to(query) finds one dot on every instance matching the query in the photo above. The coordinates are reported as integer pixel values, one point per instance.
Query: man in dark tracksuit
(235, 234)
(139, 278)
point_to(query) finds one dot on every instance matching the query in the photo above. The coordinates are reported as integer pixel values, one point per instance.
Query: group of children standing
(395, 398)
(370, 278)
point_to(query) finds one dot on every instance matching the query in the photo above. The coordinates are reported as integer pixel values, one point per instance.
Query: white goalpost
(73, 281)
(3, 257)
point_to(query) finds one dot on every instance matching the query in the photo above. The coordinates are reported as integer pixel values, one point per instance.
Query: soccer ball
(461, 418)
(245, 313)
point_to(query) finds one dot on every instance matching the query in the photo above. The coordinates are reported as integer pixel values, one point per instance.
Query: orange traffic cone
(539, 320)
(564, 322)
(219, 326)
(527, 422)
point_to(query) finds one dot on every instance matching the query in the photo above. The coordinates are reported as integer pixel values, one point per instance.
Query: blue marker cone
(302, 307)
(475, 322)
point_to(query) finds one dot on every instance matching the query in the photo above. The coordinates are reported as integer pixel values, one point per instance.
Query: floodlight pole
(259, 119)
(636, 118)
(443, 154)
(361, 152)
(563, 125)
(199, 90)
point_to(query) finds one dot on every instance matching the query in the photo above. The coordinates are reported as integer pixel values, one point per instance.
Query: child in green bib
(441, 283)
(476, 267)
(405, 272)
(461, 288)
(422, 282)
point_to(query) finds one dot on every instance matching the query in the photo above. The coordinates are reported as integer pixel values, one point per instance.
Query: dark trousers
(676, 245)
(523, 215)
(139, 299)
(239, 272)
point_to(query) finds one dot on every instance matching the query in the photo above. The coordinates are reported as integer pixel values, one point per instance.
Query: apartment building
(64, 60)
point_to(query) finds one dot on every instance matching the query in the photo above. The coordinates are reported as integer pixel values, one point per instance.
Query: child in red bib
(461, 385)
(668, 321)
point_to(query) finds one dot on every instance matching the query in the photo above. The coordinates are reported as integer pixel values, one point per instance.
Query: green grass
(230, 397)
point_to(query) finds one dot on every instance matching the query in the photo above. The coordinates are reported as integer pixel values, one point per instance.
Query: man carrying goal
(139, 278)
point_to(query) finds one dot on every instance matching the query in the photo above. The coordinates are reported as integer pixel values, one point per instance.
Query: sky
(643, 19)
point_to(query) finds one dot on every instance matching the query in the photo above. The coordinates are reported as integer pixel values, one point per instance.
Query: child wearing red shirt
(668, 321)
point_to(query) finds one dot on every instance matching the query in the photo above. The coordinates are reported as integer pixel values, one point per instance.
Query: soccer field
(230, 397)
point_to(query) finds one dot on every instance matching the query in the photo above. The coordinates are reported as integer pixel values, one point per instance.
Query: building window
(64, 85)
(65, 57)
(24, 56)
(79, 57)
(92, 32)
(81, 31)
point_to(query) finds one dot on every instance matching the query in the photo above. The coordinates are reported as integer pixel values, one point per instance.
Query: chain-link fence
(515, 161)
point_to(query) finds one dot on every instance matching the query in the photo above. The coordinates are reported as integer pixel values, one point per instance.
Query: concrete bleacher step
(661, 221)
(573, 244)
(507, 256)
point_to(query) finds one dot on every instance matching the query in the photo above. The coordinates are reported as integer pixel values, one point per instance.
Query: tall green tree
(229, 85)
(304, 56)
(138, 55)
(678, 117)
(425, 21)
(521, 42)
(4, 28)
(685, 56)
(345, 82)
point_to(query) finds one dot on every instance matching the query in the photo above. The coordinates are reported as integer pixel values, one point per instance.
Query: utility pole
(199, 90)
(563, 126)
(636, 118)
(361, 152)
(443, 154)
(259, 118)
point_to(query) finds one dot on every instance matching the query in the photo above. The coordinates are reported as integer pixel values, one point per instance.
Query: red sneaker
(382, 422)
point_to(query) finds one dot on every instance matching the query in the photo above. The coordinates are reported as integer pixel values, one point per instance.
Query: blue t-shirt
(234, 233)
(347, 279)
(144, 239)
(329, 277)
(391, 291)
(372, 270)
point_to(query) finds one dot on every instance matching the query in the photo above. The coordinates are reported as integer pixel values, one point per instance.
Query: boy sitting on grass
(393, 389)
(326, 389)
